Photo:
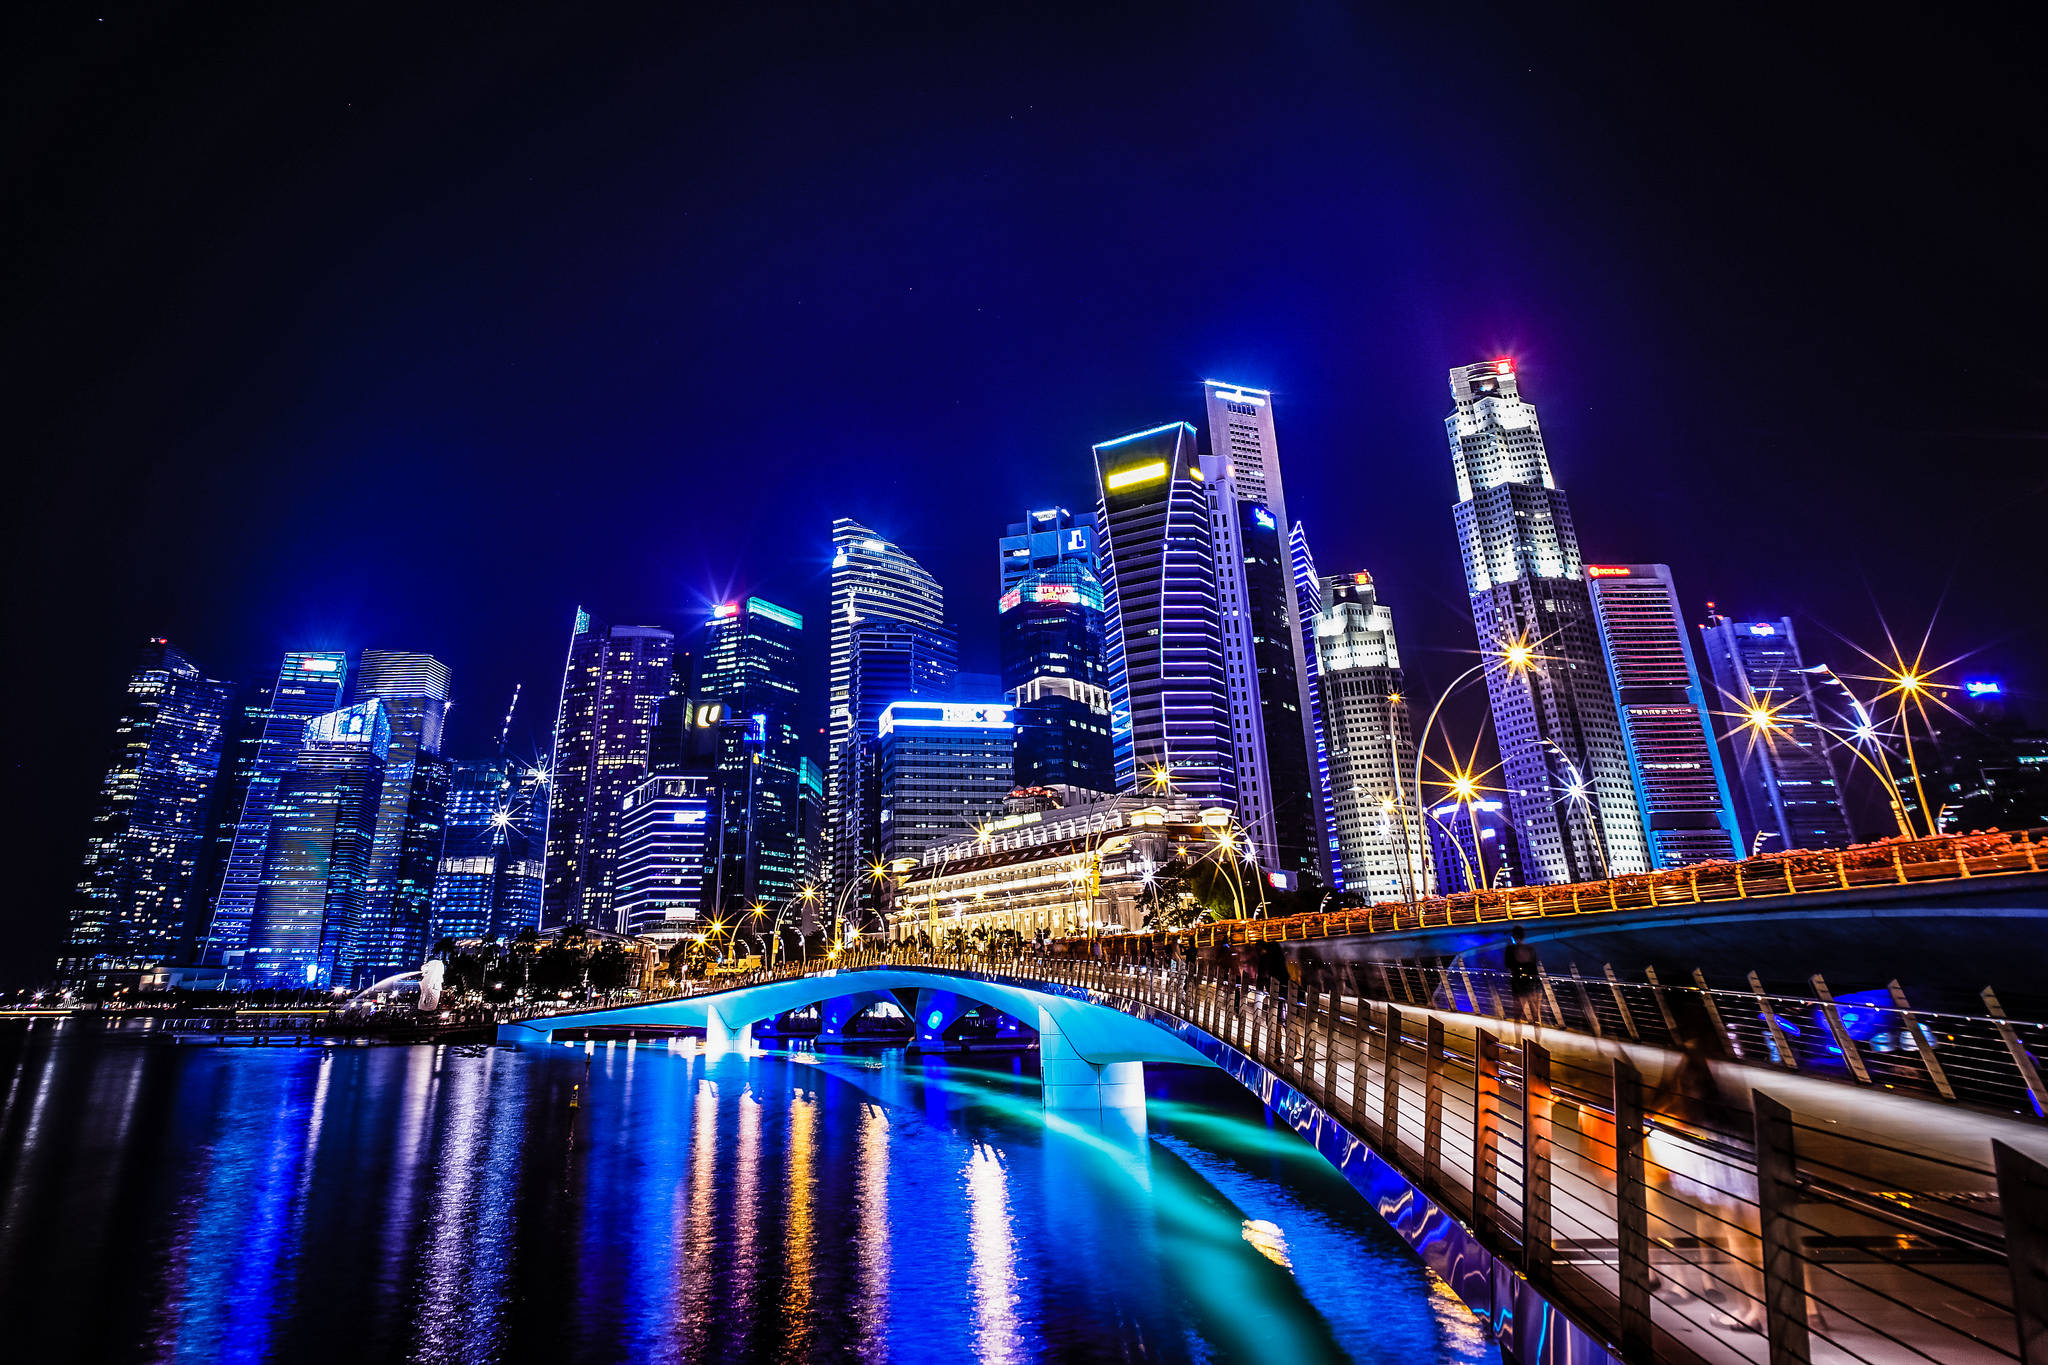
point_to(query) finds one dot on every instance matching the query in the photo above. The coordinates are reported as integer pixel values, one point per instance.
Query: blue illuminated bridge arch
(1092, 1050)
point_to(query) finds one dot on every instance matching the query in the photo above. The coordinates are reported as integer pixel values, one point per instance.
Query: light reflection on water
(414, 1204)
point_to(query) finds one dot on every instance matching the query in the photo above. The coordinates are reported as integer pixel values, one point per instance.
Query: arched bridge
(1091, 1056)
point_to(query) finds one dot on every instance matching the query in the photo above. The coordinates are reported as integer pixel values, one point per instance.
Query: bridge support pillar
(720, 1036)
(937, 1011)
(1073, 1085)
(835, 1014)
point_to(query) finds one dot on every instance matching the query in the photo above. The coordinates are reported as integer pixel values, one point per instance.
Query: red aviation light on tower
(1504, 365)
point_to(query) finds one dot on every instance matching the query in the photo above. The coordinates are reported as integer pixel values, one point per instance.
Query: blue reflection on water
(215, 1204)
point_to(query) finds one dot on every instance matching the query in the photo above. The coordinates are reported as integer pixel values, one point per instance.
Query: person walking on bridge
(1524, 977)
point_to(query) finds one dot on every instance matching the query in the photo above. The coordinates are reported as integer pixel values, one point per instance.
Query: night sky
(416, 327)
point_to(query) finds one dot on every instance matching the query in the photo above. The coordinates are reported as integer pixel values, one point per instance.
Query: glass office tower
(888, 661)
(614, 678)
(666, 850)
(308, 684)
(1666, 728)
(1049, 627)
(1473, 844)
(1380, 835)
(492, 857)
(138, 891)
(944, 770)
(1790, 796)
(1043, 540)
(750, 666)
(873, 583)
(310, 899)
(1308, 604)
(1565, 764)
(1171, 711)
(412, 810)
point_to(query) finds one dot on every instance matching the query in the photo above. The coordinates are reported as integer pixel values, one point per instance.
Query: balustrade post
(1777, 1201)
(1924, 1044)
(1360, 1022)
(1333, 1019)
(1851, 1054)
(1550, 994)
(1632, 1212)
(1770, 1018)
(1663, 1005)
(1433, 1104)
(2020, 1057)
(1628, 1021)
(1699, 980)
(1390, 1083)
(1536, 1101)
(2023, 1203)
(1586, 1002)
(1486, 1132)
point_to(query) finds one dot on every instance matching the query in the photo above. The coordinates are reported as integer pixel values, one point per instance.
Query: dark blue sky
(415, 329)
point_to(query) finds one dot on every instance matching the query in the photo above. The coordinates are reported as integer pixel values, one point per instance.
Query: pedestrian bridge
(1091, 1056)
(1594, 1198)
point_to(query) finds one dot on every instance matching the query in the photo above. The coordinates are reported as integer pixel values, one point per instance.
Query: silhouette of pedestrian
(1525, 979)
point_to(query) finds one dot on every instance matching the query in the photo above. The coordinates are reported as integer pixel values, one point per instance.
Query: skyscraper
(1308, 604)
(1049, 628)
(1788, 788)
(138, 891)
(750, 665)
(1473, 843)
(308, 684)
(945, 769)
(411, 810)
(1561, 748)
(665, 855)
(1171, 709)
(310, 899)
(1380, 837)
(1043, 540)
(810, 824)
(614, 677)
(1268, 662)
(873, 582)
(1666, 728)
(493, 855)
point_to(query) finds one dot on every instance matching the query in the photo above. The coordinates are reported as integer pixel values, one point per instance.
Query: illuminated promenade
(1591, 1191)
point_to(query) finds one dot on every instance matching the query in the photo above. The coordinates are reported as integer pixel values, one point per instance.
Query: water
(417, 1204)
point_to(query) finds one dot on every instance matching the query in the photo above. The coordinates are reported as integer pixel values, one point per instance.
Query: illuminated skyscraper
(666, 848)
(308, 684)
(311, 897)
(1171, 709)
(412, 810)
(1473, 843)
(1049, 627)
(750, 666)
(1565, 765)
(1790, 796)
(1681, 793)
(1380, 835)
(1266, 658)
(1308, 604)
(873, 583)
(944, 769)
(614, 678)
(138, 890)
(1043, 540)
(494, 852)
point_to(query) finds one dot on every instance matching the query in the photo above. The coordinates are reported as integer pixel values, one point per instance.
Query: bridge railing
(1892, 862)
(1681, 1224)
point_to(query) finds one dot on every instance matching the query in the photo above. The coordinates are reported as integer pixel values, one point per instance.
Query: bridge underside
(1090, 1057)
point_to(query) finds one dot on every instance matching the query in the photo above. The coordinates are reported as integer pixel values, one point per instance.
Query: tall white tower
(1566, 769)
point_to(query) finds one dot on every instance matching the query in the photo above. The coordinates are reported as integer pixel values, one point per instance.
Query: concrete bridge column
(937, 1011)
(1073, 1084)
(721, 1036)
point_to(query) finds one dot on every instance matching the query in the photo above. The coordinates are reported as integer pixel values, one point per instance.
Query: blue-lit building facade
(494, 853)
(944, 770)
(889, 661)
(1474, 847)
(613, 680)
(139, 888)
(667, 844)
(412, 810)
(1667, 727)
(749, 666)
(1308, 604)
(311, 897)
(1050, 633)
(1788, 792)
(309, 683)
(1045, 539)
(1170, 708)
